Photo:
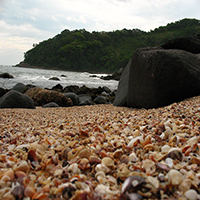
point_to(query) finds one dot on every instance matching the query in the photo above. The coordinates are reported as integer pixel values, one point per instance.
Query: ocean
(40, 78)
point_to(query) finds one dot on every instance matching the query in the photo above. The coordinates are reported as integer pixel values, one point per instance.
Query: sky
(26, 22)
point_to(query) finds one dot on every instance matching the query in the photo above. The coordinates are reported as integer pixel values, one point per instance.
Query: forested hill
(80, 50)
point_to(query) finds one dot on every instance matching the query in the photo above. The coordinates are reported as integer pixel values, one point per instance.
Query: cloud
(23, 22)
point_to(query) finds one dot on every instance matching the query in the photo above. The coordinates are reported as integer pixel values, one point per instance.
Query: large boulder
(157, 77)
(15, 99)
(42, 96)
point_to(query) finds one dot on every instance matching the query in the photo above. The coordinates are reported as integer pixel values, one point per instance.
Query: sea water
(40, 78)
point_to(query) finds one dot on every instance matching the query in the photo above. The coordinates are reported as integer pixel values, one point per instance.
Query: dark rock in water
(3, 91)
(74, 97)
(6, 75)
(63, 75)
(15, 99)
(106, 89)
(85, 100)
(156, 77)
(51, 105)
(57, 88)
(100, 100)
(42, 96)
(20, 87)
(115, 76)
(54, 79)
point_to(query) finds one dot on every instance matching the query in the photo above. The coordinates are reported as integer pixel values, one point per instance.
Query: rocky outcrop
(42, 96)
(15, 99)
(51, 105)
(6, 75)
(159, 76)
(54, 79)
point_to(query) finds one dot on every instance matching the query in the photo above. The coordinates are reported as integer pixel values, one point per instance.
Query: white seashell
(192, 140)
(169, 162)
(165, 148)
(153, 181)
(133, 157)
(74, 168)
(102, 190)
(191, 195)
(107, 161)
(102, 167)
(149, 166)
(131, 143)
(175, 177)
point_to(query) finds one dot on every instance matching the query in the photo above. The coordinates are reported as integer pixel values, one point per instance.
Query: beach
(101, 152)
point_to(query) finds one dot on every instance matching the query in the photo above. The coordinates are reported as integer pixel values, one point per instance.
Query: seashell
(85, 153)
(153, 181)
(8, 196)
(40, 196)
(107, 161)
(135, 141)
(149, 166)
(131, 183)
(32, 156)
(67, 191)
(195, 160)
(23, 166)
(82, 186)
(165, 149)
(101, 177)
(133, 157)
(185, 185)
(175, 177)
(94, 160)
(192, 141)
(18, 191)
(169, 162)
(74, 168)
(103, 190)
(134, 196)
(163, 167)
(191, 195)
(20, 174)
(161, 177)
(175, 154)
(118, 154)
(123, 171)
(8, 175)
(102, 167)
(29, 191)
(111, 179)
(84, 164)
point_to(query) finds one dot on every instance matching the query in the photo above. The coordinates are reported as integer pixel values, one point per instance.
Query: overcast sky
(24, 22)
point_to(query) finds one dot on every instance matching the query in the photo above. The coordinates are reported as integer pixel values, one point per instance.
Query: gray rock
(51, 105)
(74, 97)
(20, 87)
(156, 77)
(85, 100)
(15, 99)
(100, 100)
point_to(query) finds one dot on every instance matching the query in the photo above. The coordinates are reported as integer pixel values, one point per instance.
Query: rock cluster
(57, 96)
(159, 76)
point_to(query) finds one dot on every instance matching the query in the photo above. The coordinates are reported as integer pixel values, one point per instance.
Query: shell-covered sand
(101, 152)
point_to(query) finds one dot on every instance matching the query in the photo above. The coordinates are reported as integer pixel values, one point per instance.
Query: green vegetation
(80, 50)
